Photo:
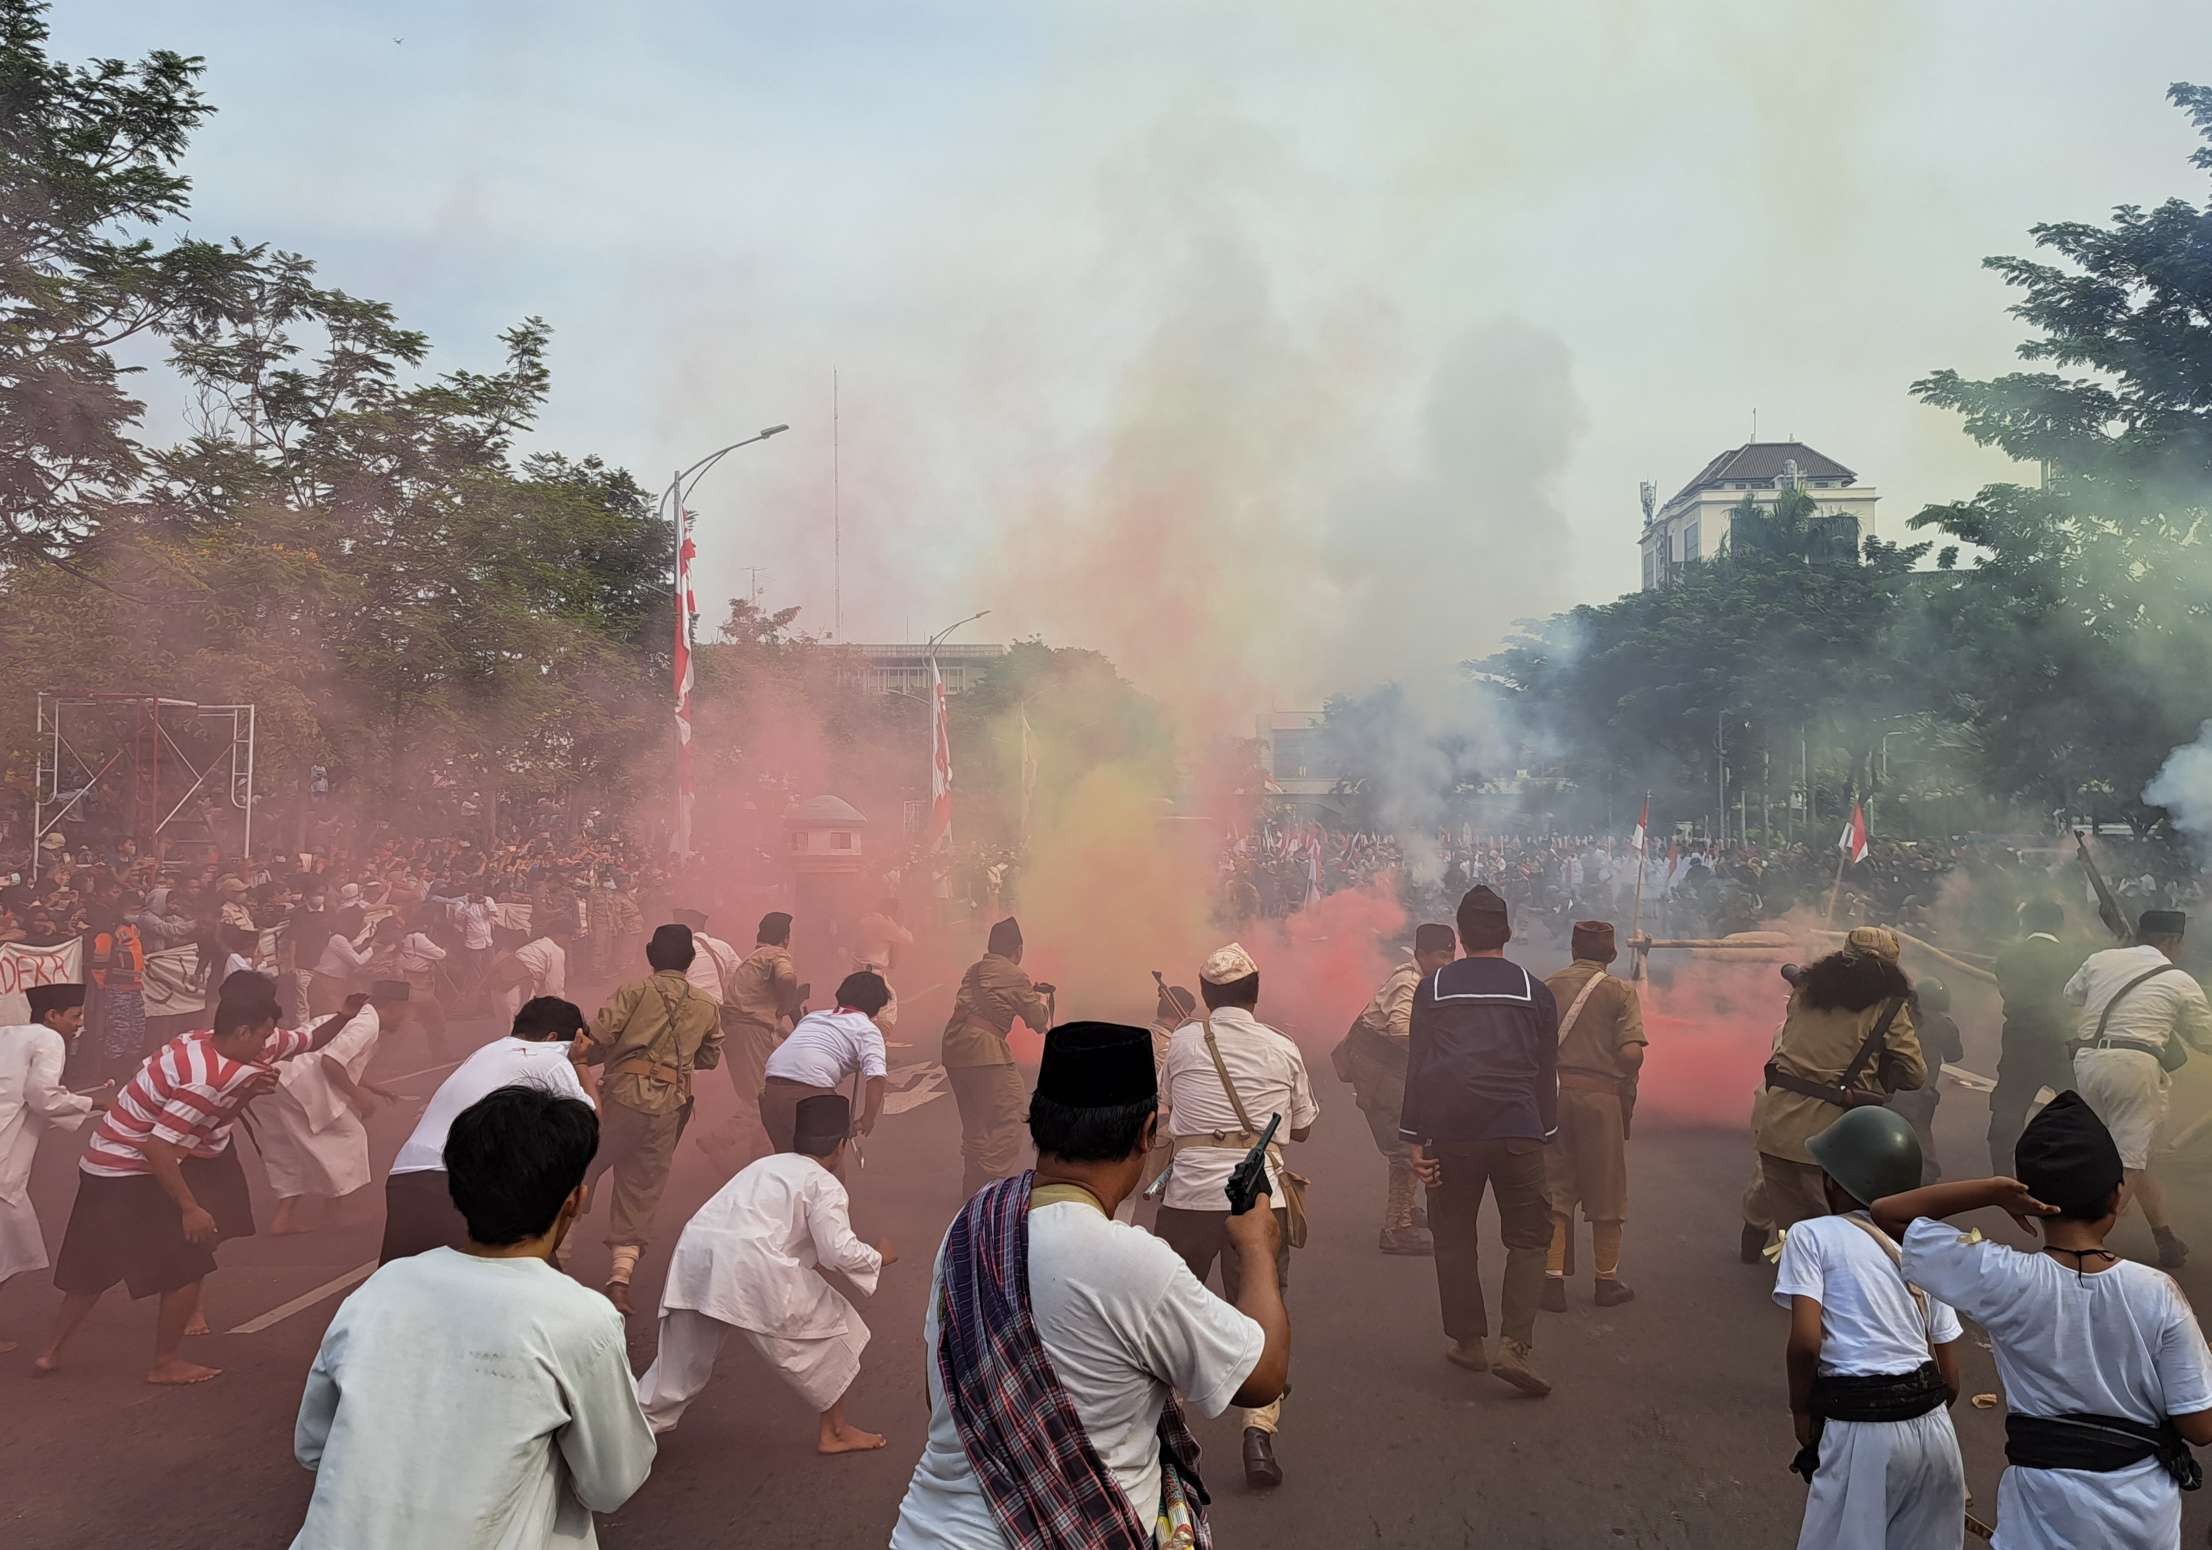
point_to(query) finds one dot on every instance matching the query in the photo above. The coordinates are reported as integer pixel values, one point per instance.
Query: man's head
(820, 1127)
(1593, 941)
(1177, 1005)
(774, 930)
(1229, 977)
(1484, 926)
(1097, 1097)
(2162, 929)
(864, 991)
(2045, 915)
(387, 995)
(1006, 939)
(2067, 1159)
(543, 1019)
(671, 947)
(1874, 942)
(1433, 947)
(695, 919)
(59, 1007)
(515, 1162)
(246, 1013)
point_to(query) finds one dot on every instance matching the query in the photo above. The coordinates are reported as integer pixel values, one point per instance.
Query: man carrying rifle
(1225, 1074)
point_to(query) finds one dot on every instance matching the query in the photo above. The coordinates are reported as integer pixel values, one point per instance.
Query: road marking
(305, 1300)
(425, 1071)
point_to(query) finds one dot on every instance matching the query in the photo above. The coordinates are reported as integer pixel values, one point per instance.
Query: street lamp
(930, 649)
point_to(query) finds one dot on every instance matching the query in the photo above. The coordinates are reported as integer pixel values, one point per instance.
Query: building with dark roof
(1695, 524)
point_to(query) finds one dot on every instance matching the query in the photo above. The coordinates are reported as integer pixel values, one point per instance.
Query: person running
(33, 1101)
(477, 1396)
(1872, 1360)
(825, 1053)
(748, 1262)
(2107, 1381)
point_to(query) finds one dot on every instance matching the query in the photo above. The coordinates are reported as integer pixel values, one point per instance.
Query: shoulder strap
(2141, 979)
(1873, 1042)
(1574, 1010)
(1897, 1258)
(1213, 1049)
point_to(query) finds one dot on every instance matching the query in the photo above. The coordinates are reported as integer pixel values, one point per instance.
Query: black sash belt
(1887, 1396)
(1826, 1092)
(2098, 1443)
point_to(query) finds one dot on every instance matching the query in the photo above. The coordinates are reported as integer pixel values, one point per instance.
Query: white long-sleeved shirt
(341, 959)
(747, 1258)
(2172, 1003)
(467, 1401)
(32, 1100)
(417, 952)
(712, 962)
(548, 966)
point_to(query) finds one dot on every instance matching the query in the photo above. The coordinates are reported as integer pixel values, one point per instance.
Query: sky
(1274, 348)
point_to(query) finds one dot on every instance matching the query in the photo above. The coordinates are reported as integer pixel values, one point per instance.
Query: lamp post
(940, 738)
(679, 487)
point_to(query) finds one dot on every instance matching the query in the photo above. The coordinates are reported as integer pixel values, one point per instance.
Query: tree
(2077, 650)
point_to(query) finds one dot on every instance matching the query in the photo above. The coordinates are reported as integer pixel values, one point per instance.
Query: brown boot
(1554, 1299)
(1612, 1292)
(618, 1293)
(1261, 1472)
(1412, 1241)
(1512, 1365)
(1468, 1354)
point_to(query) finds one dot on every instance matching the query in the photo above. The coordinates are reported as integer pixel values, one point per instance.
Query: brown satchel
(1294, 1185)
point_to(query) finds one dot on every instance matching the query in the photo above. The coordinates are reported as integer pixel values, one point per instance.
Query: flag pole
(1636, 920)
(1843, 858)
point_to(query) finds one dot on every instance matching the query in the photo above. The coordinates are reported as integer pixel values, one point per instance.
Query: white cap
(1227, 965)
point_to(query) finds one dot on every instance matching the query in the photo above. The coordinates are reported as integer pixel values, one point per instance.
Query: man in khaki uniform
(1848, 1041)
(1374, 1062)
(759, 1004)
(651, 1036)
(979, 1062)
(1601, 1050)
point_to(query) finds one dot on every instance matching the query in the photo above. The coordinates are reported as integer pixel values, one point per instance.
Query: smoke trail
(2183, 786)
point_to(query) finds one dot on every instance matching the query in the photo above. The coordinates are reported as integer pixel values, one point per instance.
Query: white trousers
(819, 1371)
(1887, 1485)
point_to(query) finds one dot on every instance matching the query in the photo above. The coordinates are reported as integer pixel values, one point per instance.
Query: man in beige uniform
(650, 1036)
(1374, 1062)
(1601, 1050)
(760, 1001)
(979, 1062)
(1848, 1041)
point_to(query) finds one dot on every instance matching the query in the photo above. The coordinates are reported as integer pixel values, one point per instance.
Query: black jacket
(1483, 1060)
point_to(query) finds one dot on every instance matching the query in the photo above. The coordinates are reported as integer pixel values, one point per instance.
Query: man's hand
(1801, 1424)
(1047, 990)
(2011, 1197)
(199, 1226)
(354, 1004)
(890, 1254)
(1429, 1170)
(1255, 1232)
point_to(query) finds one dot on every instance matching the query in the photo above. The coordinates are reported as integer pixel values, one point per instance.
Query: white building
(904, 669)
(1695, 524)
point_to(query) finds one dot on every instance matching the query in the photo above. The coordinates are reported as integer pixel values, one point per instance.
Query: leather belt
(646, 1065)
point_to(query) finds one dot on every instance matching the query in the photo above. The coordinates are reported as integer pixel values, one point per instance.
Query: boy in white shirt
(1872, 1360)
(2107, 1381)
(749, 1262)
(823, 1054)
(477, 1396)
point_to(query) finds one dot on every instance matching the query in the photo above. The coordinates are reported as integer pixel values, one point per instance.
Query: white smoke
(2183, 786)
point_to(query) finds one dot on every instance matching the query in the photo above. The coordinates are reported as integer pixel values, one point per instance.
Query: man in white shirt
(713, 959)
(1051, 1325)
(540, 969)
(2107, 1381)
(1872, 1360)
(32, 1102)
(310, 1127)
(826, 1051)
(1214, 1127)
(749, 1262)
(2136, 1003)
(877, 940)
(419, 1213)
(477, 1396)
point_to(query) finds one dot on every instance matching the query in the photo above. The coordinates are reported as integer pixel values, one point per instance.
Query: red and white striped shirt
(186, 1094)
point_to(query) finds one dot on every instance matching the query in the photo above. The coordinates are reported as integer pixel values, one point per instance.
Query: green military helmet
(1870, 1152)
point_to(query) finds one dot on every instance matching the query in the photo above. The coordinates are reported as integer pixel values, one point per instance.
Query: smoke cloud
(2183, 786)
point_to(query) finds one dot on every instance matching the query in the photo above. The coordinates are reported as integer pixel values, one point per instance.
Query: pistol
(1249, 1180)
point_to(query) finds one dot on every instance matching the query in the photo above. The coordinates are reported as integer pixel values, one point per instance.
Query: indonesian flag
(1642, 818)
(686, 609)
(940, 764)
(1852, 842)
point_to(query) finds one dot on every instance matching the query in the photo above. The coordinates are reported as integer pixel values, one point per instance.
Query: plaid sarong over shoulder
(1046, 1484)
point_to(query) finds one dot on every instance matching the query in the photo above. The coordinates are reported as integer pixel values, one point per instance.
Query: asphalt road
(1667, 1426)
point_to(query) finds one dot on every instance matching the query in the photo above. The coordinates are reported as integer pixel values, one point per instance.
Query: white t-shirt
(1271, 1079)
(2171, 1003)
(466, 1401)
(1123, 1322)
(712, 959)
(2121, 1342)
(548, 966)
(1869, 1323)
(508, 1062)
(827, 1047)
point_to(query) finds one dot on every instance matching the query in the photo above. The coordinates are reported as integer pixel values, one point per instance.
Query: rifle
(1249, 1181)
(2108, 907)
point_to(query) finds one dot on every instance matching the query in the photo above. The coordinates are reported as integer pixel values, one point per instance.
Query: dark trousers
(1515, 1170)
(1201, 1237)
(2023, 1069)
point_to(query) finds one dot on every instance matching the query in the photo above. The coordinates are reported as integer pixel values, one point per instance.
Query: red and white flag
(940, 764)
(1642, 819)
(687, 609)
(1852, 842)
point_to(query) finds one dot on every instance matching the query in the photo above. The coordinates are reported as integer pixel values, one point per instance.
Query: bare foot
(198, 1326)
(849, 1439)
(290, 1229)
(46, 1366)
(6, 1346)
(177, 1372)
